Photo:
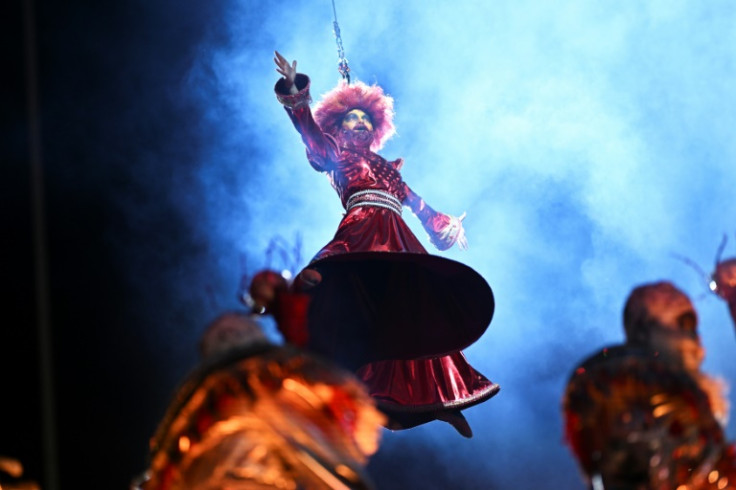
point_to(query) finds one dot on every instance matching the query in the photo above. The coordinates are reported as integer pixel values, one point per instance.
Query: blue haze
(588, 142)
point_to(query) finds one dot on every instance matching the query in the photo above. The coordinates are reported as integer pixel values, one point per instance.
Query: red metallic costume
(411, 391)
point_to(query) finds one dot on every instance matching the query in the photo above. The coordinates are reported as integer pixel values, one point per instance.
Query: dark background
(104, 73)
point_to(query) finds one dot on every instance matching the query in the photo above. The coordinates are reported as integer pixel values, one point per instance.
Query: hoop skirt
(386, 308)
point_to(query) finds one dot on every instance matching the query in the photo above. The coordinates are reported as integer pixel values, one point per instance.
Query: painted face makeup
(357, 120)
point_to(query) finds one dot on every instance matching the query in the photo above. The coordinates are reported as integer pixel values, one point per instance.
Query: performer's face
(357, 120)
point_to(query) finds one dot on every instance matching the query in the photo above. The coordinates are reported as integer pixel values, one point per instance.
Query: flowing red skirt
(400, 319)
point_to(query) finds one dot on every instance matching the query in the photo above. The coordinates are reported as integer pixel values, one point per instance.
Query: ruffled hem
(426, 385)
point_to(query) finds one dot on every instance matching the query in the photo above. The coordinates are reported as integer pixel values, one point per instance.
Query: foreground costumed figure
(723, 282)
(11, 471)
(255, 415)
(642, 415)
(636, 422)
(661, 318)
(380, 304)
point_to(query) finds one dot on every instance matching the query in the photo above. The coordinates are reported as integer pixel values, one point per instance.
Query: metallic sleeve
(321, 148)
(437, 225)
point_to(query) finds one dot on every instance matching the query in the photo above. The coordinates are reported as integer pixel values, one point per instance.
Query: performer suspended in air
(413, 379)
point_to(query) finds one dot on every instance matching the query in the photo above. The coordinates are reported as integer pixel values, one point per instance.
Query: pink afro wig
(370, 99)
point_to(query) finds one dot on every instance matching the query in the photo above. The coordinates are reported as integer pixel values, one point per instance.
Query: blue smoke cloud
(588, 142)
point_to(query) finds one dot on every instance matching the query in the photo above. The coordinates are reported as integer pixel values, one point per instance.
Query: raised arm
(292, 90)
(443, 230)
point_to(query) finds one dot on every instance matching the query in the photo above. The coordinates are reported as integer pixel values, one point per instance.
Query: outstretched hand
(452, 233)
(462, 242)
(288, 71)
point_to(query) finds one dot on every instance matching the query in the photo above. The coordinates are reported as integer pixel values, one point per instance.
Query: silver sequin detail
(376, 198)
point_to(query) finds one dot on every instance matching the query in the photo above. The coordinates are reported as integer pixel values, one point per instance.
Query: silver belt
(372, 197)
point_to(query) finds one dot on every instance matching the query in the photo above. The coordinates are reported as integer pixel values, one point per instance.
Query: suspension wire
(45, 341)
(342, 65)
